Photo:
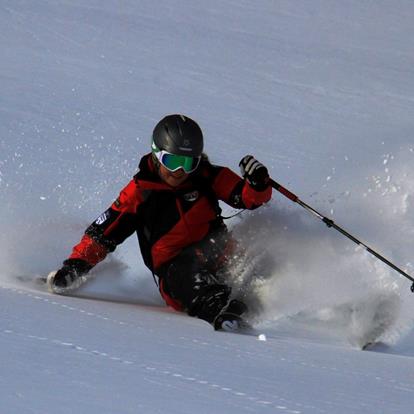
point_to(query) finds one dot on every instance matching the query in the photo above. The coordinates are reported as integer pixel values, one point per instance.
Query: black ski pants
(195, 280)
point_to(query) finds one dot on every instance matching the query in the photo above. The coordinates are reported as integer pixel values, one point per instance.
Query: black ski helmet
(178, 135)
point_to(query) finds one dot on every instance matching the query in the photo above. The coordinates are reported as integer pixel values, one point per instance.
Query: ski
(37, 280)
(374, 345)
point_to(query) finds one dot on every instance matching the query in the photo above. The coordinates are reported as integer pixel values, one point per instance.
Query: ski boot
(230, 320)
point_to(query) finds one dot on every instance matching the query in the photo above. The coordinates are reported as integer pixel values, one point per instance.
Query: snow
(321, 92)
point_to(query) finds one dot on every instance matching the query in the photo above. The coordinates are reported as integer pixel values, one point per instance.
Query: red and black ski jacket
(166, 219)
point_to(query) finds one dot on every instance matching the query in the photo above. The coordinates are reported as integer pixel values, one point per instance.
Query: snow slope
(322, 92)
(67, 354)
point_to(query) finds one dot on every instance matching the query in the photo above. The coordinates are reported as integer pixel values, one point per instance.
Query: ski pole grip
(284, 191)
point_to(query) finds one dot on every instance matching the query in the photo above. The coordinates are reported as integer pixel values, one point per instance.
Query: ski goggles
(173, 162)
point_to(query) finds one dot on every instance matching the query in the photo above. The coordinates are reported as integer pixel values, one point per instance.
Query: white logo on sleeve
(102, 218)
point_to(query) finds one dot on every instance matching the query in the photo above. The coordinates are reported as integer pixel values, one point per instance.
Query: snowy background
(322, 92)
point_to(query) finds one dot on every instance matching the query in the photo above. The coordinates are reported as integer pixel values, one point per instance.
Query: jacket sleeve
(110, 229)
(237, 192)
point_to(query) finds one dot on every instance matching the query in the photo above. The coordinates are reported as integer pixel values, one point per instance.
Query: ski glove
(254, 172)
(70, 271)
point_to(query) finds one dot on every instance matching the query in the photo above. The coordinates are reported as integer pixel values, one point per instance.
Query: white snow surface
(322, 92)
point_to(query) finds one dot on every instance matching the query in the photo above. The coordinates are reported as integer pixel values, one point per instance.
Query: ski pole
(331, 223)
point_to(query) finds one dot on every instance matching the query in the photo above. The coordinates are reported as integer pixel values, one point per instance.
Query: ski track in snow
(154, 371)
(276, 403)
(176, 376)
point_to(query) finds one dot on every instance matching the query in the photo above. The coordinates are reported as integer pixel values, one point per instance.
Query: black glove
(70, 271)
(254, 172)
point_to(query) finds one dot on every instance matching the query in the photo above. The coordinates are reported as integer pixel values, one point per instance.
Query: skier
(172, 204)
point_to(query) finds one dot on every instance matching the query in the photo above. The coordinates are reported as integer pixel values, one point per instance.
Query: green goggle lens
(174, 162)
